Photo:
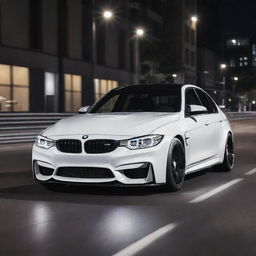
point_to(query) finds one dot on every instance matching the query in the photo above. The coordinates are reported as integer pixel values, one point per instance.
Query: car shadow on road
(30, 190)
(84, 195)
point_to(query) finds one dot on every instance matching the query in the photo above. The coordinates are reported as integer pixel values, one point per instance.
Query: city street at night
(127, 128)
(213, 214)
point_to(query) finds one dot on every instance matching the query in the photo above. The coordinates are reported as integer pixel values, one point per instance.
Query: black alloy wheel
(175, 170)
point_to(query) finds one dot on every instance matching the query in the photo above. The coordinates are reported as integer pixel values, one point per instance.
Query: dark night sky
(239, 16)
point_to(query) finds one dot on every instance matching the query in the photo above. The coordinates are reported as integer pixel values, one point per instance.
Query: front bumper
(116, 161)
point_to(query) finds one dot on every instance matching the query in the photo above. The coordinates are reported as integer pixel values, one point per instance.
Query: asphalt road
(213, 214)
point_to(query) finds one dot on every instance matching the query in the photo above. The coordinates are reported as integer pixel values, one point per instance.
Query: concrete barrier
(241, 115)
(24, 127)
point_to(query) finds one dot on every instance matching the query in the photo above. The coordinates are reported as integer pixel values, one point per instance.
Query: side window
(213, 104)
(205, 101)
(192, 98)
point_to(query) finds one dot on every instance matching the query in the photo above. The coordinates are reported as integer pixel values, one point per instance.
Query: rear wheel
(175, 170)
(229, 156)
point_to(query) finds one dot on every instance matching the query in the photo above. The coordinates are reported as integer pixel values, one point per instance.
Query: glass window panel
(103, 87)
(76, 101)
(49, 83)
(20, 98)
(68, 101)
(4, 96)
(109, 87)
(115, 84)
(77, 81)
(20, 76)
(67, 78)
(97, 96)
(96, 86)
(5, 74)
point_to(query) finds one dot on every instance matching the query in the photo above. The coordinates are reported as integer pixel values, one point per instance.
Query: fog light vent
(138, 173)
(45, 171)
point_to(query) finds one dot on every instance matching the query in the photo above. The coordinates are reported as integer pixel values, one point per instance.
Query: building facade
(181, 30)
(208, 43)
(46, 49)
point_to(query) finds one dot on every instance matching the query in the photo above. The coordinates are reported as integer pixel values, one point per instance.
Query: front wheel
(175, 169)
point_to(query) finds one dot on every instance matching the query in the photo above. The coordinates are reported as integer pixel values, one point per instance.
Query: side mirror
(83, 110)
(195, 110)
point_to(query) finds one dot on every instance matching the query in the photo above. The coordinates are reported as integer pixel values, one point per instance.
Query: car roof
(151, 86)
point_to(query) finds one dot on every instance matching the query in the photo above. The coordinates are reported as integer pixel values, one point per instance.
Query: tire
(229, 156)
(175, 169)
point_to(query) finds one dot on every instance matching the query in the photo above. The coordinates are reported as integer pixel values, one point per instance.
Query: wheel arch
(179, 137)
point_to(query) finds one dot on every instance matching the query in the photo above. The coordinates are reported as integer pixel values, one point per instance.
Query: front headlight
(43, 142)
(148, 141)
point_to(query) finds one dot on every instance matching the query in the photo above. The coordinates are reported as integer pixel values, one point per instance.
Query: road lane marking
(251, 172)
(215, 191)
(145, 241)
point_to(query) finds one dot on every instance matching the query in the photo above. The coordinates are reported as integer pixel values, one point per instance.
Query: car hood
(127, 124)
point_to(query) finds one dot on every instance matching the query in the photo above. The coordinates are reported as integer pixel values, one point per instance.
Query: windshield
(140, 99)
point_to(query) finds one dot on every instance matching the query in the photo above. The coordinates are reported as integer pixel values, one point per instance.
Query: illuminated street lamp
(107, 14)
(194, 19)
(140, 32)
(236, 78)
(223, 66)
(174, 75)
(234, 41)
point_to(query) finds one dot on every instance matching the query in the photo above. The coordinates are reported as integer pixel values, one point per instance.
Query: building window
(193, 59)
(187, 56)
(35, 24)
(254, 55)
(192, 37)
(14, 88)
(101, 87)
(232, 63)
(122, 49)
(243, 61)
(237, 42)
(101, 44)
(50, 84)
(193, 5)
(187, 30)
(187, 4)
(73, 92)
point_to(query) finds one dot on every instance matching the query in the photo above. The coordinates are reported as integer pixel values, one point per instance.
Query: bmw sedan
(141, 135)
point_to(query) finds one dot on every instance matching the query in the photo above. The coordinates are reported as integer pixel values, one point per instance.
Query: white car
(136, 135)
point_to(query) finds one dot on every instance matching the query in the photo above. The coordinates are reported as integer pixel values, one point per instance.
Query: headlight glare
(43, 142)
(142, 142)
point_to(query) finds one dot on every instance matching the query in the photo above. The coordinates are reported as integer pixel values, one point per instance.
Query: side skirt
(203, 164)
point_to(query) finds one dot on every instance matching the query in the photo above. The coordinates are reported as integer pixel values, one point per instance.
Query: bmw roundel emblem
(85, 137)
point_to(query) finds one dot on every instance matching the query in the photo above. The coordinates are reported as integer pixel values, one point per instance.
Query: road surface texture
(213, 214)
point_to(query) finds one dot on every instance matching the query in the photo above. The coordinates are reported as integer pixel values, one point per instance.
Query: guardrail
(241, 115)
(24, 127)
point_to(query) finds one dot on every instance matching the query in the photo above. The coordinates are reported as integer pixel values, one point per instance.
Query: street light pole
(61, 49)
(94, 42)
(224, 90)
(139, 33)
(223, 68)
(137, 60)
